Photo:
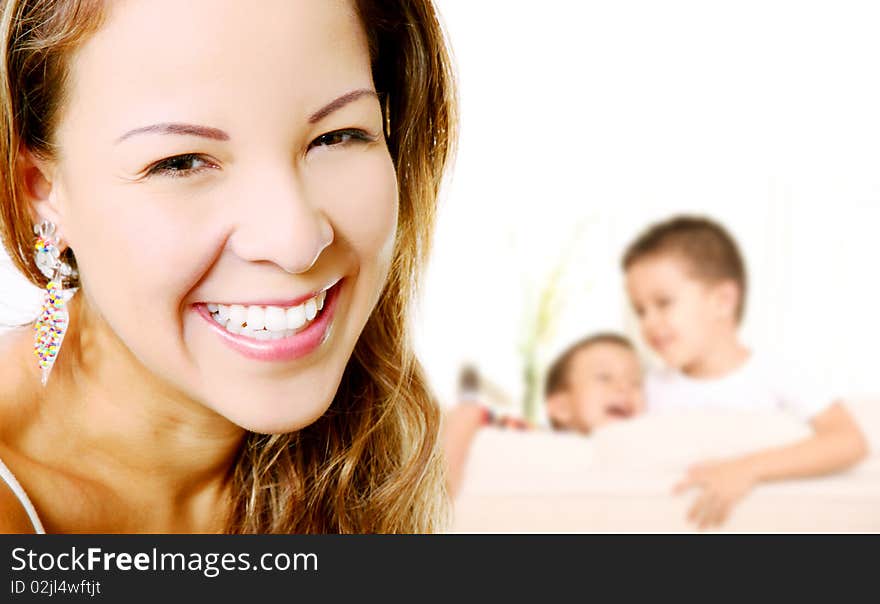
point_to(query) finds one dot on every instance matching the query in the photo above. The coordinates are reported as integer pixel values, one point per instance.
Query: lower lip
(286, 349)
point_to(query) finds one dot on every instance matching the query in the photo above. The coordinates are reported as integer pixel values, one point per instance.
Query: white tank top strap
(9, 478)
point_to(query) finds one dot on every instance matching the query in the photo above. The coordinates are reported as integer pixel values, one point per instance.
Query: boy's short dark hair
(557, 374)
(710, 250)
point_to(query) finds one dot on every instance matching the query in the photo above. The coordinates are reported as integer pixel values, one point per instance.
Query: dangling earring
(54, 318)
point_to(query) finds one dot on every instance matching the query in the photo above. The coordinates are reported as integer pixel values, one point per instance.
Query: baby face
(680, 316)
(603, 385)
(225, 185)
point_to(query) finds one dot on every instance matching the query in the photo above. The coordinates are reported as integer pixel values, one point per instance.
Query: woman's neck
(106, 417)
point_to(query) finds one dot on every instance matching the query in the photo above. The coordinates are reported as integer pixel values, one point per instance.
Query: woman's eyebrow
(340, 102)
(220, 135)
(175, 128)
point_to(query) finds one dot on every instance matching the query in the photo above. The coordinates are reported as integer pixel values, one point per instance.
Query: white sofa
(620, 479)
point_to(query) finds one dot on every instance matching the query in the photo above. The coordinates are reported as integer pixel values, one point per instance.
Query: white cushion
(621, 478)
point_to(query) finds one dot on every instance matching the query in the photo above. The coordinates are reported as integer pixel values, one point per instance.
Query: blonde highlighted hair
(372, 462)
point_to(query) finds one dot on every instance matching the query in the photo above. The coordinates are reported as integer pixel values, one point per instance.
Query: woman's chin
(274, 412)
(275, 421)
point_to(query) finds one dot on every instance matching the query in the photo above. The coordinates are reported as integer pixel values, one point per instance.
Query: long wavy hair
(372, 462)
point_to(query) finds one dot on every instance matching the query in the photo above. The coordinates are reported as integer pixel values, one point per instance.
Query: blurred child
(686, 281)
(596, 381)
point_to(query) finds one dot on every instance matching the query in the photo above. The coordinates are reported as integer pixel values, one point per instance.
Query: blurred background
(583, 122)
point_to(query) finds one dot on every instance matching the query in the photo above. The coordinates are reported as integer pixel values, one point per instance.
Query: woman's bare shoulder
(13, 518)
(16, 404)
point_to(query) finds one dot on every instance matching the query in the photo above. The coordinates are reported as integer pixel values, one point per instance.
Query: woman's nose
(282, 225)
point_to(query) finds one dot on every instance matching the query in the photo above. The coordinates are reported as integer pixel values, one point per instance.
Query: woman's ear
(35, 176)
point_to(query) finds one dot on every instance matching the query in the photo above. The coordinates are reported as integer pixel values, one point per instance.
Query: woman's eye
(339, 138)
(180, 165)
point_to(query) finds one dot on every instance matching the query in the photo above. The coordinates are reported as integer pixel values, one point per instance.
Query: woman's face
(222, 164)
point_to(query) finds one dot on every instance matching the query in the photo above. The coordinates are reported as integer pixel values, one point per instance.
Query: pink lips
(286, 349)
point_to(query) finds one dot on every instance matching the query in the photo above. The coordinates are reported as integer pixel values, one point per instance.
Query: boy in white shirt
(687, 282)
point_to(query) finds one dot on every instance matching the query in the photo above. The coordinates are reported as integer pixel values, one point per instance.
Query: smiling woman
(233, 211)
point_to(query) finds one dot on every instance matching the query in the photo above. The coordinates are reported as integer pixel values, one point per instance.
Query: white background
(764, 115)
(599, 117)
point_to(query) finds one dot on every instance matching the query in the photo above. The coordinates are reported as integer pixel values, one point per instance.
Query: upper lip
(278, 301)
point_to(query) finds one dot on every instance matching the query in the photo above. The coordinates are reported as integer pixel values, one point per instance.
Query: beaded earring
(54, 319)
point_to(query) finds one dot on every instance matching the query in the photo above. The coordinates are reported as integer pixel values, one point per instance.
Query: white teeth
(256, 318)
(311, 309)
(233, 327)
(275, 318)
(237, 314)
(296, 317)
(269, 322)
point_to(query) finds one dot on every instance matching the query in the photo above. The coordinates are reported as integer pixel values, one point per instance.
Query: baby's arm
(836, 444)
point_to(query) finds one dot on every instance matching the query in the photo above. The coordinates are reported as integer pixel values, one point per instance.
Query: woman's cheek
(135, 266)
(362, 200)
